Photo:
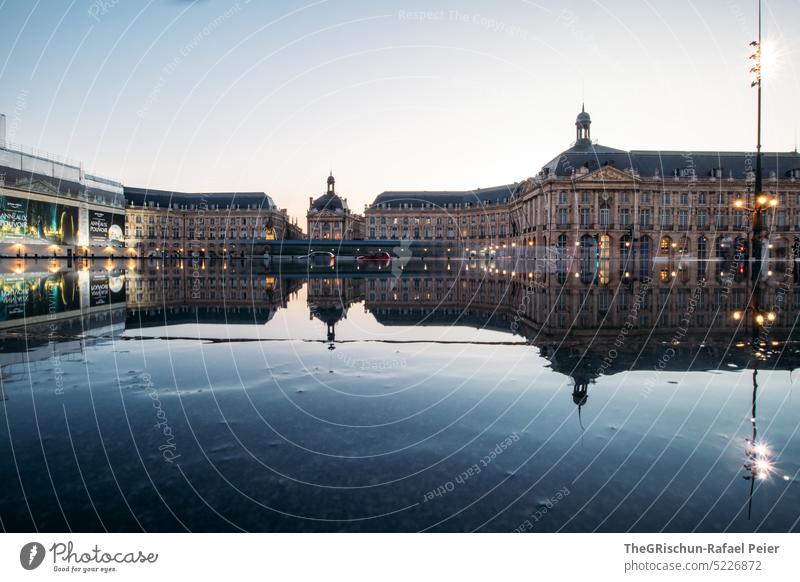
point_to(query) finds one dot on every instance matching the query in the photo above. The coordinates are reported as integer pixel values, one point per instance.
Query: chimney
(310, 201)
(2, 130)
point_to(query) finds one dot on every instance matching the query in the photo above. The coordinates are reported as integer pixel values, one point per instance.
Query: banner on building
(23, 219)
(105, 227)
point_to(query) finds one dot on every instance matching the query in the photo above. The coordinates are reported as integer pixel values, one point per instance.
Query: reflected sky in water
(223, 397)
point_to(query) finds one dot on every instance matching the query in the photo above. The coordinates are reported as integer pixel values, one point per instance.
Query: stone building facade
(663, 214)
(160, 223)
(330, 218)
(654, 213)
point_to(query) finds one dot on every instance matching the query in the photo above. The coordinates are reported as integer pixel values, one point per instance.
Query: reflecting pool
(439, 395)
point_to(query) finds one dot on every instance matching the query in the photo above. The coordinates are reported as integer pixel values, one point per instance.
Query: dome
(583, 119)
(328, 201)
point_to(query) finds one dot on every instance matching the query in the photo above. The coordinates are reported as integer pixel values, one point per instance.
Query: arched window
(604, 260)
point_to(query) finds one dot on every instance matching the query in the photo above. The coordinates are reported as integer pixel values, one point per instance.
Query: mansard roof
(329, 201)
(446, 198)
(223, 200)
(667, 164)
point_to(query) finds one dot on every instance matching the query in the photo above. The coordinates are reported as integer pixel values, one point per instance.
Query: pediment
(607, 174)
(38, 186)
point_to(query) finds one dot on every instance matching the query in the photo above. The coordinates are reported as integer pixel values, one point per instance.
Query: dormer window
(686, 172)
(717, 172)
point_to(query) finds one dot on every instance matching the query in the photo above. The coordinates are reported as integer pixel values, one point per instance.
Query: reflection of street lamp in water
(758, 464)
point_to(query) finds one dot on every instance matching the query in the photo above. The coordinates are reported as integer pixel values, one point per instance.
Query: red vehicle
(383, 258)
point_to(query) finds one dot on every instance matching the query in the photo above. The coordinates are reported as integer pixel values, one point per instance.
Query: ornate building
(53, 208)
(478, 217)
(329, 217)
(652, 211)
(171, 224)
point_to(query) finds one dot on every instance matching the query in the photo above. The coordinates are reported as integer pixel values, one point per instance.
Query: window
(605, 216)
(585, 197)
(702, 219)
(624, 216)
(684, 199)
(585, 217)
(666, 198)
(644, 197)
(683, 219)
(666, 218)
(562, 197)
(562, 216)
(645, 217)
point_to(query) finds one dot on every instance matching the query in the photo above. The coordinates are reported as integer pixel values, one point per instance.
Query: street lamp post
(761, 203)
(758, 224)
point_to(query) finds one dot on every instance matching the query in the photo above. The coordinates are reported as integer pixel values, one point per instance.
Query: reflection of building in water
(329, 300)
(576, 325)
(48, 314)
(220, 289)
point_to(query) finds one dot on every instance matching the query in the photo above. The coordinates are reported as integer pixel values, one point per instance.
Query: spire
(331, 183)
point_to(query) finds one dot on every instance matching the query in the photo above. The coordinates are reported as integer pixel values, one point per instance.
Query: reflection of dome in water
(330, 315)
(580, 394)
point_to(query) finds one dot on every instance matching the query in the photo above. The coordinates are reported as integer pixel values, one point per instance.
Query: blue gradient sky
(219, 94)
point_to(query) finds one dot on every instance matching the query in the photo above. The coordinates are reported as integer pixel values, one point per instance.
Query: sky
(238, 95)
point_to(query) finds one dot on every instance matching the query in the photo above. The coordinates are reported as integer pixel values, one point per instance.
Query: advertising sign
(105, 227)
(23, 219)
